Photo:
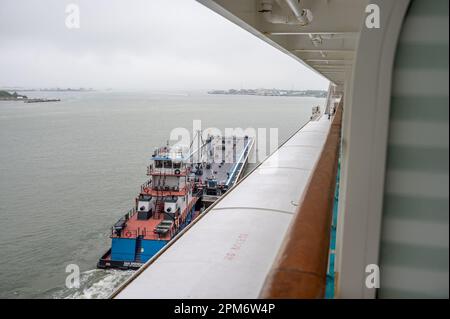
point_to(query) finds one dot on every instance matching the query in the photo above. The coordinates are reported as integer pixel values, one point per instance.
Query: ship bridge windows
(176, 165)
(158, 164)
(167, 164)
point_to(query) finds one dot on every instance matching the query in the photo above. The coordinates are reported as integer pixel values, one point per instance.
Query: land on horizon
(272, 92)
(54, 89)
(6, 96)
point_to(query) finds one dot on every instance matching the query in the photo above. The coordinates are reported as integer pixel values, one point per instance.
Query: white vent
(170, 207)
(143, 206)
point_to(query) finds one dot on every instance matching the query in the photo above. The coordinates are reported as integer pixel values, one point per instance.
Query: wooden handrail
(300, 269)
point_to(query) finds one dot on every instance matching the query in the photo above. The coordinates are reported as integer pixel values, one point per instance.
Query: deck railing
(151, 170)
(147, 184)
(300, 268)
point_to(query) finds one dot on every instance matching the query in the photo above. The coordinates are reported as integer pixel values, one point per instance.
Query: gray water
(70, 169)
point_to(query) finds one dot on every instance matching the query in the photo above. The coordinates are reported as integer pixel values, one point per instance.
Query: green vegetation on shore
(5, 95)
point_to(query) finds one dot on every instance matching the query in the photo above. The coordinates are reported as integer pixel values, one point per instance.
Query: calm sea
(70, 169)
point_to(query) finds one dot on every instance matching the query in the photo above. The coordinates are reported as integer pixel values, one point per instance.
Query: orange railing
(147, 184)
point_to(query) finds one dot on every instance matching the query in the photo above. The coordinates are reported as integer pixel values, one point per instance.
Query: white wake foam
(95, 284)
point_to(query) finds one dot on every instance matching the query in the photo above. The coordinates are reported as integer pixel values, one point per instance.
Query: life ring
(177, 172)
(127, 234)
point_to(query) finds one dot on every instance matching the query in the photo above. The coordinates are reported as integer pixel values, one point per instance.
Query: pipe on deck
(300, 269)
(298, 15)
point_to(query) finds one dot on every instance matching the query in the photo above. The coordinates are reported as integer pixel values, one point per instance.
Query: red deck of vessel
(146, 227)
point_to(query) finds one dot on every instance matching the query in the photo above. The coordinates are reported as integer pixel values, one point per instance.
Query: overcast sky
(138, 44)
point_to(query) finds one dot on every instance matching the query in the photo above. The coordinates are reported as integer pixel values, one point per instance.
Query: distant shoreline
(6, 96)
(272, 92)
(12, 89)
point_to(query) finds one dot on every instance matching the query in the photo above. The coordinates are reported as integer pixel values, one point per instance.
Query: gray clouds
(137, 44)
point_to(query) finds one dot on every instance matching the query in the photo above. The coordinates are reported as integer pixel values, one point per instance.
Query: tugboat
(173, 197)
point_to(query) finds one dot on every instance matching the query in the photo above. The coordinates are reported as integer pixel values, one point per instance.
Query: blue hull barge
(178, 190)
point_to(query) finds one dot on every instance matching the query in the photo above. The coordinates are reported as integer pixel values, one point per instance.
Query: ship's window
(177, 165)
(158, 164)
(167, 164)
